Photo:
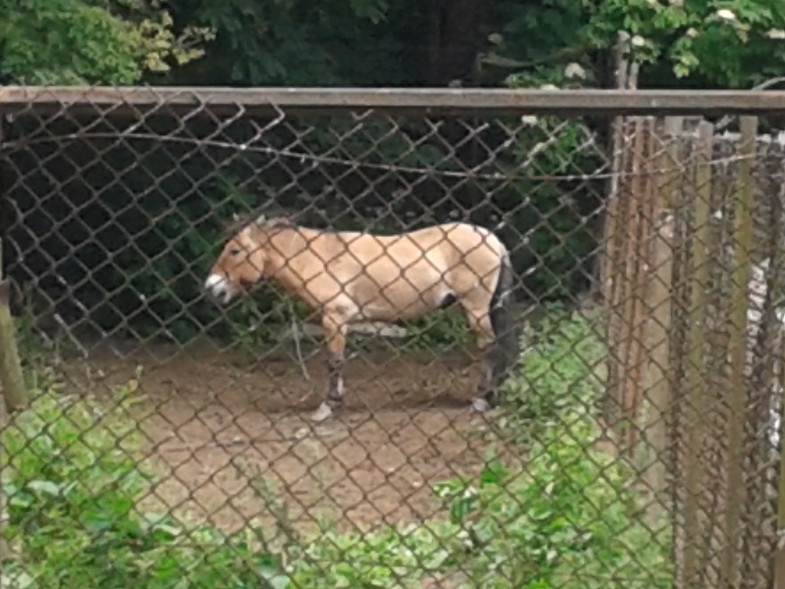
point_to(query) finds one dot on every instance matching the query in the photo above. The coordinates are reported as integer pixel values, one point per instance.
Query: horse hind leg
(480, 323)
(335, 330)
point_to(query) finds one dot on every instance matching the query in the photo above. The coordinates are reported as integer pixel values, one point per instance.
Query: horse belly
(406, 297)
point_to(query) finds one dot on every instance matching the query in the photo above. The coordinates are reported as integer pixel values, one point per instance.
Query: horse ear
(235, 217)
(261, 219)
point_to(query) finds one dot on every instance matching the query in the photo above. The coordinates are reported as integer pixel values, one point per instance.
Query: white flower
(638, 41)
(548, 87)
(574, 70)
(529, 120)
(692, 32)
(726, 14)
(775, 34)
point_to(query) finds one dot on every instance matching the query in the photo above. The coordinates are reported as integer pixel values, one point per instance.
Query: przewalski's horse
(349, 276)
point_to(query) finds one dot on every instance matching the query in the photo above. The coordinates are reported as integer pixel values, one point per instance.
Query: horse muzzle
(219, 289)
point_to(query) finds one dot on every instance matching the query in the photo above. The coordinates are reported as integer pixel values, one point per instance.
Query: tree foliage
(91, 41)
(735, 43)
(699, 43)
(297, 42)
(718, 43)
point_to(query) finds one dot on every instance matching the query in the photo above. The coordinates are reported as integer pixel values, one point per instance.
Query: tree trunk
(454, 37)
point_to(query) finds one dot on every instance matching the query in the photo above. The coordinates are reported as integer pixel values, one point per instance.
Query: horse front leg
(335, 329)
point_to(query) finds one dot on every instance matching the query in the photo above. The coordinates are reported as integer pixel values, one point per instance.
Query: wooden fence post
(11, 376)
(742, 248)
(779, 551)
(657, 374)
(658, 309)
(695, 391)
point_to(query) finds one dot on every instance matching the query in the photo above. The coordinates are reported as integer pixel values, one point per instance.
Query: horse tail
(503, 322)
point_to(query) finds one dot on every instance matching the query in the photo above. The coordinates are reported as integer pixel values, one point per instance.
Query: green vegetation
(728, 43)
(560, 368)
(74, 481)
(82, 42)
(568, 521)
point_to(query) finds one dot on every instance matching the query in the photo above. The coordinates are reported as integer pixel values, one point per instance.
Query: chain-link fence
(325, 426)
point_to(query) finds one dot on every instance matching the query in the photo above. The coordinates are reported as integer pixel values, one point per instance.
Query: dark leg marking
(448, 301)
(335, 391)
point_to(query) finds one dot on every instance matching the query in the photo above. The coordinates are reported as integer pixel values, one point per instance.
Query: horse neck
(285, 256)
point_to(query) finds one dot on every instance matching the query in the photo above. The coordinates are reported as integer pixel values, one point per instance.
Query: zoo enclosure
(112, 203)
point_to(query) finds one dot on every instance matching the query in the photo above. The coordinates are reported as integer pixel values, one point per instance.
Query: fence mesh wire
(169, 441)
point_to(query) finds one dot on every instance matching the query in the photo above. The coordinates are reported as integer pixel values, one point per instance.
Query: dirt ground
(221, 423)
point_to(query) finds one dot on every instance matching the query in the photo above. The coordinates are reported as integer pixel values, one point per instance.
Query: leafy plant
(66, 459)
(80, 42)
(73, 482)
(709, 40)
(560, 369)
(709, 43)
(445, 329)
(569, 521)
(392, 557)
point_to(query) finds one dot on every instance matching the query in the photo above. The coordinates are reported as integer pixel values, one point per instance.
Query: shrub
(570, 521)
(444, 329)
(392, 557)
(73, 485)
(572, 518)
(560, 368)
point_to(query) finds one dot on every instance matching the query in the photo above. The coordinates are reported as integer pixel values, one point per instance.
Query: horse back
(394, 276)
(452, 256)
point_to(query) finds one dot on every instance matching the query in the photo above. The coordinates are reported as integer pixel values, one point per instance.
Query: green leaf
(45, 487)
(274, 578)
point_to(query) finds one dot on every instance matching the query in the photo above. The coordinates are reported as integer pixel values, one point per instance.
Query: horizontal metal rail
(441, 101)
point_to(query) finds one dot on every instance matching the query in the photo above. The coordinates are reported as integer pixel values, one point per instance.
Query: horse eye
(234, 252)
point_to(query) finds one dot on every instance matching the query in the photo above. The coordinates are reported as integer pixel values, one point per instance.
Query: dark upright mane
(240, 222)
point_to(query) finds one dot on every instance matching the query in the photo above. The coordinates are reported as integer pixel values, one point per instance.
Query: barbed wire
(315, 159)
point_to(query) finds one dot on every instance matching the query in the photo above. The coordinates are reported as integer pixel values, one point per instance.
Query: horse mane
(240, 222)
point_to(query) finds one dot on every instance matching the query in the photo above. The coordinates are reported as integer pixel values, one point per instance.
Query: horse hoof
(323, 413)
(480, 405)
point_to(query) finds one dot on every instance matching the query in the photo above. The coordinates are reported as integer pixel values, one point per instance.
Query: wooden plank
(633, 223)
(657, 375)
(779, 555)
(779, 381)
(743, 236)
(643, 265)
(657, 328)
(618, 248)
(432, 101)
(696, 402)
(15, 393)
(622, 299)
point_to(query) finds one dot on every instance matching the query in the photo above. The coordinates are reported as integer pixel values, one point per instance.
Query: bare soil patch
(217, 422)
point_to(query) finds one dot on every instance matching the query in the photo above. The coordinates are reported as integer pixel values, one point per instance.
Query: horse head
(244, 259)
